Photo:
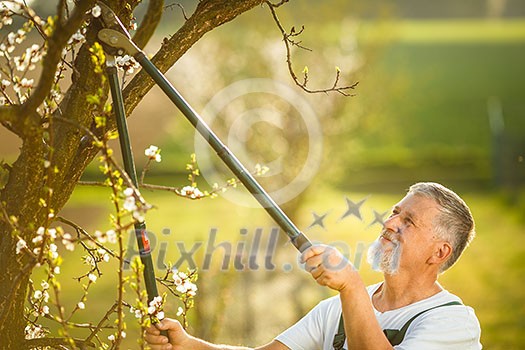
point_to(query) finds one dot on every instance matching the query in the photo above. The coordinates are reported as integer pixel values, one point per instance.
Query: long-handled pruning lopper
(117, 41)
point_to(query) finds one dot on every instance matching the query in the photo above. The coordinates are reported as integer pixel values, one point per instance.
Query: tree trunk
(65, 146)
(18, 200)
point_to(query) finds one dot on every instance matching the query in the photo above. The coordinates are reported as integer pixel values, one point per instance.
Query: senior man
(425, 235)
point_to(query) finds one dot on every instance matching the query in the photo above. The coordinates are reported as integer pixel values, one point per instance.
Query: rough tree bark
(63, 143)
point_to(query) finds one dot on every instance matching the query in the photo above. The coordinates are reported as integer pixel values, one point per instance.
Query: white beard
(384, 259)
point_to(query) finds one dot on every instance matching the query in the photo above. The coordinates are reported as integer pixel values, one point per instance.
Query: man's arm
(361, 327)
(180, 340)
(330, 268)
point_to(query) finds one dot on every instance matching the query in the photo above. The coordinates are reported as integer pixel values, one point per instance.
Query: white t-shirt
(444, 328)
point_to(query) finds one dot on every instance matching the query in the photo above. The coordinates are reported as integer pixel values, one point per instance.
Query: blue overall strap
(394, 336)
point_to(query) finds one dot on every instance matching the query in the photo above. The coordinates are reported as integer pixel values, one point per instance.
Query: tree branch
(101, 322)
(209, 14)
(149, 23)
(179, 5)
(57, 41)
(280, 3)
(289, 42)
(81, 231)
(55, 342)
(9, 117)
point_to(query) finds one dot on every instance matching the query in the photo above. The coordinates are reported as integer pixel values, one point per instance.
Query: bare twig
(170, 7)
(99, 326)
(81, 231)
(144, 171)
(276, 5)
(56, 342)
(289, 42)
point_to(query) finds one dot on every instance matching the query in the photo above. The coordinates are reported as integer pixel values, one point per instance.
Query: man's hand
(329, 267)
(178, 338)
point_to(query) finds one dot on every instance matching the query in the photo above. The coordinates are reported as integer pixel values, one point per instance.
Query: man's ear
(442, 252)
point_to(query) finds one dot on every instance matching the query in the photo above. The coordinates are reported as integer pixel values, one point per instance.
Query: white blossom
(181, 288)
(177, 280)
(81, 305)
(192, 192)
(138, 215)
(46, 296)
(180, 311)
(67, 241)
(96, 11)
(88, 259)
(137, 312)
(102, 238)
(153, 153)
(155, 306)
(21, 244)
(53, 233)
(92, 277)
(78, 36)
(127, 63)
(33, 331)
(111, 236)
(129, 204)
(27, 83)
(11, 38)
(128, 192)
(53, 251)
(7, 21)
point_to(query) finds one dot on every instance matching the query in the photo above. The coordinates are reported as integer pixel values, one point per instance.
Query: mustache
(389, 235)
(382, 258)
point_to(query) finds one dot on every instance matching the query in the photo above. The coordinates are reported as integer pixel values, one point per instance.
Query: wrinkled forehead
(419, 206)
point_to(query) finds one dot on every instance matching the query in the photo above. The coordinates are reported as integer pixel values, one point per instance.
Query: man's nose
(392, 223)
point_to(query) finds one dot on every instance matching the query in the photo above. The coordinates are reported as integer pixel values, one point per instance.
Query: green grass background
(434, 126)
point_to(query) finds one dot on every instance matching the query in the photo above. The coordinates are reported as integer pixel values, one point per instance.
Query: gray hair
(454, 224)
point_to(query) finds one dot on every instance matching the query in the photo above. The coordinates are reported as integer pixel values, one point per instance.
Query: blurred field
(488, 277)
(428, 90)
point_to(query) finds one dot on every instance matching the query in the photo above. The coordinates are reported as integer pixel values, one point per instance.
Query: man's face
(407, 238)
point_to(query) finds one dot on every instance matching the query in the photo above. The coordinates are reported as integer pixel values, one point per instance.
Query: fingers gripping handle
(301, 242)
(163, 332)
